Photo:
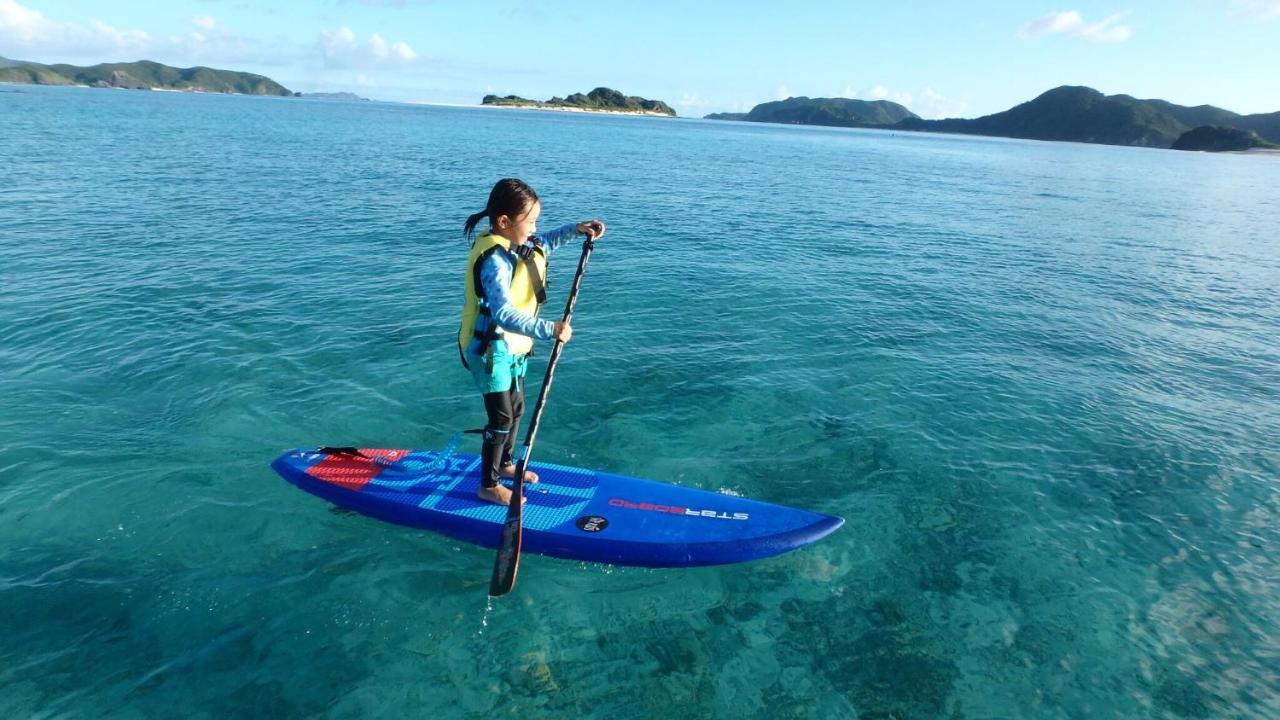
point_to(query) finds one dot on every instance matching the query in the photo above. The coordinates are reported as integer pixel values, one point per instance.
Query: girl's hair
(509, 197)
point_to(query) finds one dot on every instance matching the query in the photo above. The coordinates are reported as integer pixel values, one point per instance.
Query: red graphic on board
(352, 471)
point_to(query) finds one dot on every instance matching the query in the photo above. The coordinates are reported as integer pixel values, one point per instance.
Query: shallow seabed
(1041, 382)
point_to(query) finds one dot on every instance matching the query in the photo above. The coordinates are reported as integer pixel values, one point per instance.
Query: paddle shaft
(508, 560)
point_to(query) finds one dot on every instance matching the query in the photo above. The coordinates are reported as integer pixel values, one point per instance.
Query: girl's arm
(495, 277)
(553, 239)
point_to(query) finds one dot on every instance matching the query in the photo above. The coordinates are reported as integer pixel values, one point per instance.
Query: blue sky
(938, 58)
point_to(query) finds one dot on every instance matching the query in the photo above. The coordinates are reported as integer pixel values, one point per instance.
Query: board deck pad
(571, 513)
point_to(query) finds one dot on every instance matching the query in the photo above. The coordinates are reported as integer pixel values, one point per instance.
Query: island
(1210, 138)
(1080, 114)
(830, 112)
(141, 75)
(602, 99)
(1067, 113)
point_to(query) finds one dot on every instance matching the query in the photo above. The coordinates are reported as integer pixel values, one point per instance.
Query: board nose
(825, 526)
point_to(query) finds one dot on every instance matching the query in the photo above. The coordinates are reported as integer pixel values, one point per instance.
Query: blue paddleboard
(571, 513)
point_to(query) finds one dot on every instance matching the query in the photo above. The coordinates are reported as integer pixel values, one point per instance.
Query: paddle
(508, 560)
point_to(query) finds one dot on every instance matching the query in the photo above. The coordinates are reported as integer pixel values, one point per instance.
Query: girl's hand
(563, 331)
(593, 229)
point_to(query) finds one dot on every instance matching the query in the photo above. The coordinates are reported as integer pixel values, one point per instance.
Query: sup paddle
(508, 560)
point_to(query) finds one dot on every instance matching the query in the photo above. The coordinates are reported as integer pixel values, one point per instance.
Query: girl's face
(519, 228)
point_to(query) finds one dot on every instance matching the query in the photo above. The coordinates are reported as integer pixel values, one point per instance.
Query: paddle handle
(508, 560)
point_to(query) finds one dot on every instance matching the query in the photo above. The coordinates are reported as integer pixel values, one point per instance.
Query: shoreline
(556, 108)
(143, 89)
(1269, 152)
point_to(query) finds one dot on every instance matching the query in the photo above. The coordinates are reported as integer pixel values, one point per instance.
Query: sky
(940, 59)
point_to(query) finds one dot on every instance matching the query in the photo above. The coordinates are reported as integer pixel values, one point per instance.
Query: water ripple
(1039, 379)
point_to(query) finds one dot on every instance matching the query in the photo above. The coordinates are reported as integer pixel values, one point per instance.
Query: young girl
(505, 286)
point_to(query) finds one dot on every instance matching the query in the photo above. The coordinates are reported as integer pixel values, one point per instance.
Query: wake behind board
(571, 513)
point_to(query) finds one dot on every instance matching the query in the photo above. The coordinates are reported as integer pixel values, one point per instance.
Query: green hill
(1197, 116)
(1220, 139)
(1068, 113)
(1071, 113)
(1082, 114)
(141, 75)
(831, 112)
(1265, 124)
(600, 99)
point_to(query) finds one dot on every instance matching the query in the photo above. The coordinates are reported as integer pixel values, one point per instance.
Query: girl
(506, 286)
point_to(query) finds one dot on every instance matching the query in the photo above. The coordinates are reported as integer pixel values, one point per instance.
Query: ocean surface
(1041, 382)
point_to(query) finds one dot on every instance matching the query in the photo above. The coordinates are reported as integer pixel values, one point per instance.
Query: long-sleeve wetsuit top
(495, 277)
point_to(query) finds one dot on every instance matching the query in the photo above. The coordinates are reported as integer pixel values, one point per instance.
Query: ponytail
(509, 196)
(469, 227)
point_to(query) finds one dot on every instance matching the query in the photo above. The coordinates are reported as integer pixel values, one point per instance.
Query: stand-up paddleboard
(571, 513)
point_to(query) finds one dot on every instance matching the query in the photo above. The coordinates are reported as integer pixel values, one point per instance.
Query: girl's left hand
(593, 229)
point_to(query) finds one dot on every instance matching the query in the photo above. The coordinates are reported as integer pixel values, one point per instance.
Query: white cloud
(692, 101)
(928, 103)
(1073, 24)
(782, 93)
(341, 49)
(25, 30)
(1107, 31)
(19, 21)
(1056, 22)
(402, 51)
(849, 92)
(1258, 10)
(931, 104)
(382, 51)
(205, 21)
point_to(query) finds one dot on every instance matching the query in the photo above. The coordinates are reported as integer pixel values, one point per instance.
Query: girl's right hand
(563, 331)
(591, 228)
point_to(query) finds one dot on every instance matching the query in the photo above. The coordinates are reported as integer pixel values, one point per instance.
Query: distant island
(141, 75)
(831, 112)
(1083, 114)
(1069, 113)
(601, 99)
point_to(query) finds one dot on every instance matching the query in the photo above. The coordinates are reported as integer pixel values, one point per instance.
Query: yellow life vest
(527, 294)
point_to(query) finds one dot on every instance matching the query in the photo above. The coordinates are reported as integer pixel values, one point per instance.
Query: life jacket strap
(487, 335)
(526, 253)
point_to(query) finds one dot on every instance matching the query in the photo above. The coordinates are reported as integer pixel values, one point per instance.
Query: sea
(1039, 380)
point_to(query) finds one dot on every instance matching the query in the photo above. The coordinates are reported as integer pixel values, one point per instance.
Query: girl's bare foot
(497, 494)
(509, 471)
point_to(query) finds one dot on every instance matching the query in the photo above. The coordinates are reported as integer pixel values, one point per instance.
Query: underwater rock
(538, 672)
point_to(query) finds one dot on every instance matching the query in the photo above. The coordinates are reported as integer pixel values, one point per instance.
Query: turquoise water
(1041, 381)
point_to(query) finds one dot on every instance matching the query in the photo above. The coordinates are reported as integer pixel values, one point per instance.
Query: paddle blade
(507, 561)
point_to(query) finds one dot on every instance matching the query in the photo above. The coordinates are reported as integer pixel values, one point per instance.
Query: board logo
(592, 523)
(678, 510)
